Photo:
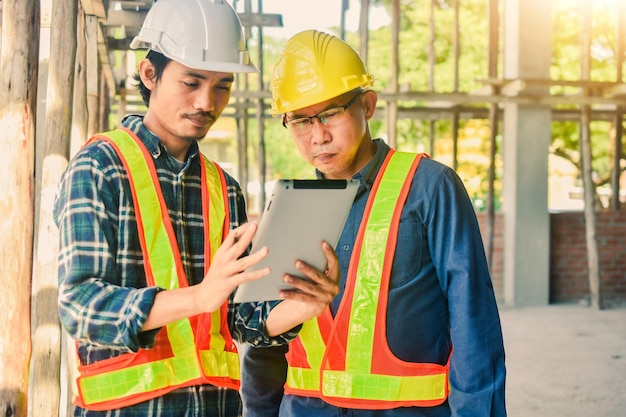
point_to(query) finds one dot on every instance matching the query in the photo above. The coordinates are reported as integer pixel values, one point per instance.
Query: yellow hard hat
(314, 67)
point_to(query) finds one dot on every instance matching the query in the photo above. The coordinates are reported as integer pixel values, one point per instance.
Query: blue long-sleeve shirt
(103, 296)
(440, 297)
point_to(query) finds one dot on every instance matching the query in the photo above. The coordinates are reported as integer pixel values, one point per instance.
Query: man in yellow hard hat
(415, 329)
(154, 239)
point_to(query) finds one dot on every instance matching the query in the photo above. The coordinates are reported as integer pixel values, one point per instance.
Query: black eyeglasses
(327, 117)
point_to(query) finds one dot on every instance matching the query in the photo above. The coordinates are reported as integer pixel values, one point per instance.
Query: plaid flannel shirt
(103, 296)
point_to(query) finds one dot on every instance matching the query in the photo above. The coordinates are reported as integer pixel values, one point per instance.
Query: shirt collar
(152, 142)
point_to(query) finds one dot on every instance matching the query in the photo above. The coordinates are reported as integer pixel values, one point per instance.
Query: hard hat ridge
(314, 67)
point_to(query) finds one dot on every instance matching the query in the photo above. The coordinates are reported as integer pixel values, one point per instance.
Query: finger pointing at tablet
(228, 268)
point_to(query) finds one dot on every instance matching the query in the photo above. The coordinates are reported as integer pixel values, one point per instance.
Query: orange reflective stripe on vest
(185, 353)
(358, 369)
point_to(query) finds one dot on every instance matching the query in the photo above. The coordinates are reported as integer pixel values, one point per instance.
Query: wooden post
(342, 24)
(392, 105)
(242, 139)
(618, 120)
(456, 42)
(494, 118)
(619, 110)
(432, 124)
(593, 262)
(19, 58)
(104, 104)
(364, 18)
(243, 132)
(260, 118)
(80, 114)
(92, 73)
(46, 327)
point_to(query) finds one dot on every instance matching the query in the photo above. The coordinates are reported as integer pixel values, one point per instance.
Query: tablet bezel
(298, 216)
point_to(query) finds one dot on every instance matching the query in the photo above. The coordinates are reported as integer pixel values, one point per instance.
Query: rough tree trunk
(45, 372)
(19, 57)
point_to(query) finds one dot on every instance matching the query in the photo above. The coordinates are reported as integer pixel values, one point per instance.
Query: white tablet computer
(298, 216)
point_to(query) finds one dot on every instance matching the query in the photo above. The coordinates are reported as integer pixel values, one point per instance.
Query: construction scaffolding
(51, 105)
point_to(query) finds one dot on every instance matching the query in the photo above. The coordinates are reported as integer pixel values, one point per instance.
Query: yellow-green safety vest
(190, 351)
(346, 360)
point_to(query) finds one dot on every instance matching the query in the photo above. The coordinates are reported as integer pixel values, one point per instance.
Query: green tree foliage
(566, 65)
(415, 75)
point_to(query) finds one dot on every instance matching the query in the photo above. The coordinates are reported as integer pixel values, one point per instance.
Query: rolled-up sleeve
(250, 325)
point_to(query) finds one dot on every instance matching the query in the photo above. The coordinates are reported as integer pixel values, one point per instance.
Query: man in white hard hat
(154, 239)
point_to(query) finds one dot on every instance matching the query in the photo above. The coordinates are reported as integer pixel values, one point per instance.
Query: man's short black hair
(159, 61)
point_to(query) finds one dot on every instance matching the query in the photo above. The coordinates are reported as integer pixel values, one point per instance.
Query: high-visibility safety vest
(191, 351)
(346, 361)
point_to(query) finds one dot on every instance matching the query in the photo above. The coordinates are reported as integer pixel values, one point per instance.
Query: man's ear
(147, 73)
(370, 98)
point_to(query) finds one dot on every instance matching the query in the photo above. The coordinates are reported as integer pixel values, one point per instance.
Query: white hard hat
(200, 34)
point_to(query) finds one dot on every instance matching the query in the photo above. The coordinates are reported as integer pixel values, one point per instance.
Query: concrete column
(526, 130)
